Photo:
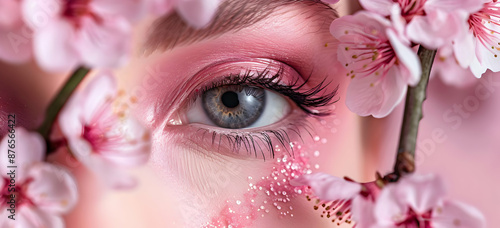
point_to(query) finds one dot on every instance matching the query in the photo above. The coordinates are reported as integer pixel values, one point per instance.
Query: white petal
(477, 69)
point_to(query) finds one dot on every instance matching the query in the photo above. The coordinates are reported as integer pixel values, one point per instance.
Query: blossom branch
(58, 102)
(405, 160)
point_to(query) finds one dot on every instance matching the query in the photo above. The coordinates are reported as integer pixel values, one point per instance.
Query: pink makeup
(269, 194)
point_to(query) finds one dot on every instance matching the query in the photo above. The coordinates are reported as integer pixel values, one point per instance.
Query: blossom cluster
(61, 34)
(100, 133)
(377, 46)
(414, 201)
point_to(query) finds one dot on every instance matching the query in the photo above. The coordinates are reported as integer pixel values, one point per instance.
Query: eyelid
(188, 92)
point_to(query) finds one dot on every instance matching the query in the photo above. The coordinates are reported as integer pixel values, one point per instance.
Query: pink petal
(373, 95)
(469, 6)
(363, 212)
(446, 67)
(39, 14)
(329, 188)
(132, 10)
(133, 149)
(29, 149)
(436, 29)
(399, 23)
(109, 173)
(70, 120)
(97, 94)
(421, 192)
(359, 24)
(382, 7)
(4, 219)
(32, 217)
(456, 214)
(53, 189)
(407, 57)
(105, 44)
(197, 13)
(53, 47)
(463, 47)
(389, 209)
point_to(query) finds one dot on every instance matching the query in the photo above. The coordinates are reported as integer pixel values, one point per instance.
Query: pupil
(230, 99)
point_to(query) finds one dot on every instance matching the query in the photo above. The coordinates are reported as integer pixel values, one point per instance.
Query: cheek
(215, 190)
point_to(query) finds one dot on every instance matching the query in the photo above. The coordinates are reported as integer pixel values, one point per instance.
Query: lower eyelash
(251, 141)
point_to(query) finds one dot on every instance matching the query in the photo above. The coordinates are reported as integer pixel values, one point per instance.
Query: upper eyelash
(305, 100)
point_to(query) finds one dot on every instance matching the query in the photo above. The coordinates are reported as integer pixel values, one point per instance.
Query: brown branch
(405, 160)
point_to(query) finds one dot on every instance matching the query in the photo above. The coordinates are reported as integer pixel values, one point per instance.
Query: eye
(238, 106)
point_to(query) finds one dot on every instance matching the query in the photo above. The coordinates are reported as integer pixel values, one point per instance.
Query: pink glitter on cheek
(275, 188)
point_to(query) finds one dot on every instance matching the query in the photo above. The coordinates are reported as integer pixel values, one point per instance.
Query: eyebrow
(232, 15)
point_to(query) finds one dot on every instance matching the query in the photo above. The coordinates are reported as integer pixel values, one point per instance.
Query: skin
(357, 149)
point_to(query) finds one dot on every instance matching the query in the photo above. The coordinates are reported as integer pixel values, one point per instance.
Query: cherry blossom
(101, 133)
(43, 192)
(379, 60)
(432, 23)
(415, 201)
(15, 47)
(94, 33)
(197, 13)
(418, 201)
(480, 47)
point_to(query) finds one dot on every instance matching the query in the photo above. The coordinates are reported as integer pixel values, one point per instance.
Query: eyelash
(307, 100)
(250, 140)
